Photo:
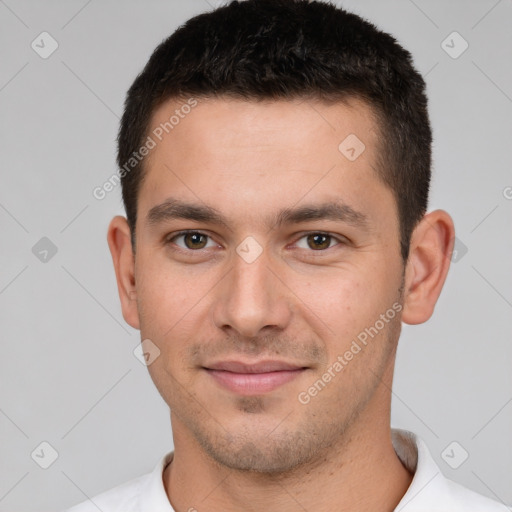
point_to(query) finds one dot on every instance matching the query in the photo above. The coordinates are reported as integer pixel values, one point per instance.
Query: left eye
(317, 241)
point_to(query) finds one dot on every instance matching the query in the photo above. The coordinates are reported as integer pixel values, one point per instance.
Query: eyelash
(169, 240)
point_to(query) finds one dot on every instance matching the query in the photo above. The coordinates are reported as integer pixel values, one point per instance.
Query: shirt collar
(153, 496)
(428, 482)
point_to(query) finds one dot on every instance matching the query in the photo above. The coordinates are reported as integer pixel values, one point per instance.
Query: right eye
(192, 240)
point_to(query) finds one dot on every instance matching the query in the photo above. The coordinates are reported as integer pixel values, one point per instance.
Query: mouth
(253, 379)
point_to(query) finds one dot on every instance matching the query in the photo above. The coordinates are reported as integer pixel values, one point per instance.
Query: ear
(119, 242)
(427, 266)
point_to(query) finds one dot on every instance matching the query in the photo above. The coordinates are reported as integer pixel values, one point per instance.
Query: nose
(252, 298)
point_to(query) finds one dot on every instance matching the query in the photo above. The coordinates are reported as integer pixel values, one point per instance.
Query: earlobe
(427, 266)
(119, 242)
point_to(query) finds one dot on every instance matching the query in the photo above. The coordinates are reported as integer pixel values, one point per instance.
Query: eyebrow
(172, 209)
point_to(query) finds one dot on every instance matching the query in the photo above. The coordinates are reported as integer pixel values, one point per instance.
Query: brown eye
(195, 240)
(191, 240)
(318, 241)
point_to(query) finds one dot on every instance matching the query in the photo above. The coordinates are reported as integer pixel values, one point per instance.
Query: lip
(255, 378)
(259, 367)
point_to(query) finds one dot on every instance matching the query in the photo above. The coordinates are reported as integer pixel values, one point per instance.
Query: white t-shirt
(429, 491)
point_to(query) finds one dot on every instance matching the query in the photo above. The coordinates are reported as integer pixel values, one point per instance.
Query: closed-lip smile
(253, 378)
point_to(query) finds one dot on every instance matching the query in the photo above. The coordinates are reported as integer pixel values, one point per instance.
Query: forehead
(274, 122)
(262, 155)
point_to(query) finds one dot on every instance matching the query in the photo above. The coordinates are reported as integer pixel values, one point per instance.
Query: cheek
(174, 309)
(332, 304)
(345, 302)
(163, 300)
(161, 283)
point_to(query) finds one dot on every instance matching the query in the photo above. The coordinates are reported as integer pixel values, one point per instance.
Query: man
(275, 165)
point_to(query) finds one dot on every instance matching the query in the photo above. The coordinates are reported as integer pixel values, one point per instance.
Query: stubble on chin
(250, 404)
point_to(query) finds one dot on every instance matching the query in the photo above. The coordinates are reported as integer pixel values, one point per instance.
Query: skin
(295, 303)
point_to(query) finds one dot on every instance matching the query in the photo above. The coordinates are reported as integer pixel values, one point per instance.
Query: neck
(362, 473)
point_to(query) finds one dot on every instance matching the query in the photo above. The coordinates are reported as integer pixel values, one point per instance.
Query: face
(265, 255)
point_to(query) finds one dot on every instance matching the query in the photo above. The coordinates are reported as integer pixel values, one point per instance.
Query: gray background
(68, 373)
